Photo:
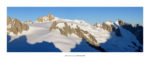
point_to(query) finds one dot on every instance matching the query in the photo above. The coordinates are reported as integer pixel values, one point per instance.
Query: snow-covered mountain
(65, 34)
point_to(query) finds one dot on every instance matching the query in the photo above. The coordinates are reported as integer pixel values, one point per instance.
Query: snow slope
(126, 43)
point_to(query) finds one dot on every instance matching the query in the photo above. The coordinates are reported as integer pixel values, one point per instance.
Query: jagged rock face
(137, 30)
(107, 27)
(111, 28)
(18, 25)
(53, 26)
(12, 29)
(67, 30)
(15, 26)
(8, 20)
(49, 17)
(25, 27)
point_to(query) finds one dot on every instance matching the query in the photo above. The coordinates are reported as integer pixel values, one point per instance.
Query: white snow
(117, 22)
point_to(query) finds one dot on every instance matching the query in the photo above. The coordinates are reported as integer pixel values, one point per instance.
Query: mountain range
(65, 34)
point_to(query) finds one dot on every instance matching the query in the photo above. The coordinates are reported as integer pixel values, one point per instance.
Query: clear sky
(89, 14)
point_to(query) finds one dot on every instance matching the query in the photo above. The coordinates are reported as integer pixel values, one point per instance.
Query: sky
(91, 15)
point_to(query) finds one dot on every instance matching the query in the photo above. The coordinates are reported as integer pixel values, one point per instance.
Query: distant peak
(46, 18)
(49, 14)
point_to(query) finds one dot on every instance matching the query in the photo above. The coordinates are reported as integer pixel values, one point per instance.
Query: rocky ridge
(15, 26)
(67, 30)
(109, 26)
(47, 18)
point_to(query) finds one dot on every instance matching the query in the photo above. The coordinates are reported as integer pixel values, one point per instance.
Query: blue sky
(89, 14)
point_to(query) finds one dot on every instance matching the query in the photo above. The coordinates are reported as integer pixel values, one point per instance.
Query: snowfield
(39, 32)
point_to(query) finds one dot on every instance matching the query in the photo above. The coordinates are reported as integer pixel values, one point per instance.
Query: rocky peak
(122, 23)
(49, 17)
(106, 27)
(110, 27)
(15, 26)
